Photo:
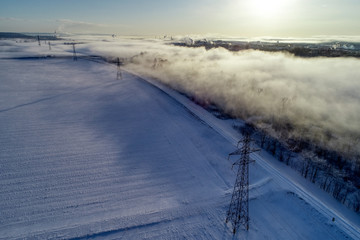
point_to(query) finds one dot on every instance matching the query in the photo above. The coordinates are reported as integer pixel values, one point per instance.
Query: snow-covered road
(83, 155)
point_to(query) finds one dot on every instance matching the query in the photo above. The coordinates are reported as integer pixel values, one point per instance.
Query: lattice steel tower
(238, 213)
(118, 75)
(74, 52)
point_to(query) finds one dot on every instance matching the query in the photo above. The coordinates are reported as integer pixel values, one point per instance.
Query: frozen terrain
(84, 155)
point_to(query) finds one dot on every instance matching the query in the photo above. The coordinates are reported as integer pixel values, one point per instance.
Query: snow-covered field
(84, 155)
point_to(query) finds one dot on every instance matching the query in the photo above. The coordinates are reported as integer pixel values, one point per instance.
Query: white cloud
(12, 19)
(67, 25)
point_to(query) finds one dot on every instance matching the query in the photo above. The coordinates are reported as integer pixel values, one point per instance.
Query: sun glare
(267, 8)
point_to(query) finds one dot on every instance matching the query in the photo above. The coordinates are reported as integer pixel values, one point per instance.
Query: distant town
(324, 49)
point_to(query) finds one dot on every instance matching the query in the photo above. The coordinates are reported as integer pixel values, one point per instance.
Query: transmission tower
(74, 52)
(118, 75)
(238, 213)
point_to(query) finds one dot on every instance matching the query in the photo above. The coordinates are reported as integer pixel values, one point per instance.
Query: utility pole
(238, 213)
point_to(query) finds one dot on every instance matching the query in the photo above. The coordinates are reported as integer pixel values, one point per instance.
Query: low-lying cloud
(316, 98)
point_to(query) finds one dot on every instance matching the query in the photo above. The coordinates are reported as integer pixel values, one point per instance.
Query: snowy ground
(83, 155)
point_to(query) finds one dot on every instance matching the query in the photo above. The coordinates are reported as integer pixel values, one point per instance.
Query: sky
(247, 18)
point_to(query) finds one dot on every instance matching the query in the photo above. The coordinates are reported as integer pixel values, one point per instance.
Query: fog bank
(316, 98)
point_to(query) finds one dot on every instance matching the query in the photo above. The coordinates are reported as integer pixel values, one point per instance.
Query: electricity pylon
(238, 213)
(118, 75)
(74, 52)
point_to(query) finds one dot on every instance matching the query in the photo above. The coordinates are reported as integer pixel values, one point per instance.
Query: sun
(267, 8)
